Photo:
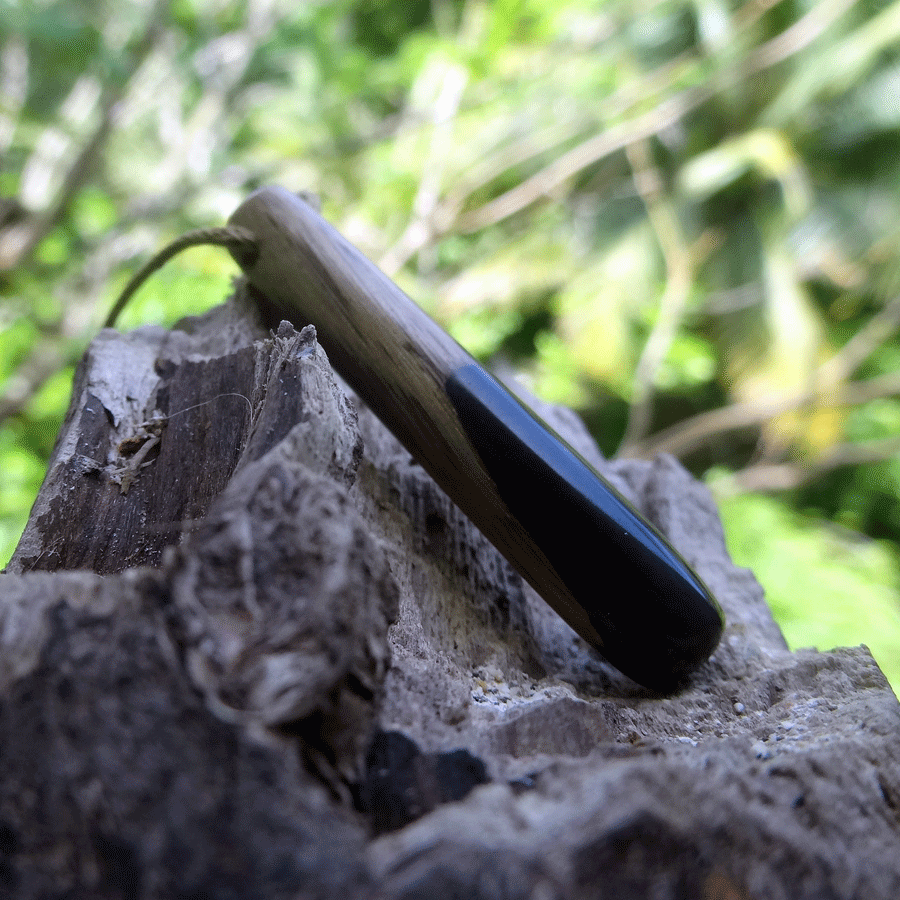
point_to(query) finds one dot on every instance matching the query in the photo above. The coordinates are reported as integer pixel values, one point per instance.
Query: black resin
(656, 619)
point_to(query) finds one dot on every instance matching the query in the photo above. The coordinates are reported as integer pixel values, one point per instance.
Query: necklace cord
(234, 237)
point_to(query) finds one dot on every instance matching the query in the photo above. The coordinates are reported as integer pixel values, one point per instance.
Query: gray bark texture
(248, 649)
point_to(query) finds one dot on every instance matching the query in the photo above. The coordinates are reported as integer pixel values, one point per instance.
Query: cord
(231, 236)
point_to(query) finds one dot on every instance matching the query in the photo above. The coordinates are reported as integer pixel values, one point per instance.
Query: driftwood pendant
(575, 539)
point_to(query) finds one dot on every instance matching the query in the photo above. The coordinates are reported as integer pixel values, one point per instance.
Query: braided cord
(231, 236)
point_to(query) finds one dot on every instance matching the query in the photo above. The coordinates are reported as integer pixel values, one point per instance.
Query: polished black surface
(655, 617)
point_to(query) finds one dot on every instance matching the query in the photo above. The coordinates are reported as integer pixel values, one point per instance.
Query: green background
(680, 218)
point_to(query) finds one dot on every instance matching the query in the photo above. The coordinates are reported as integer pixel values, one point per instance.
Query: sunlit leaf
(827, 586)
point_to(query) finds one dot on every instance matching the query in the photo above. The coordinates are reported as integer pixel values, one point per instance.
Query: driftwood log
(248, 649)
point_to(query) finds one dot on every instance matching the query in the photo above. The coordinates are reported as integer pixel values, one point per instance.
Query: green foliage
(23, 471)
(653, 211)
(177, 291)
(827, 586)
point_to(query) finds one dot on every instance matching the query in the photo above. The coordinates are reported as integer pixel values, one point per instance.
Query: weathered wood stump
(248, 649)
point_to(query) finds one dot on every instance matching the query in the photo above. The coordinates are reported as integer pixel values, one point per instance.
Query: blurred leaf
(94, 212)
(597, 309)
(794, 347)
(50, 402)
(833, 71)
(556, 376)
(22, 470)
(827, 586)
(764, 150)
(518, 269)
(691, 361)
(482, 331)
(178, 290)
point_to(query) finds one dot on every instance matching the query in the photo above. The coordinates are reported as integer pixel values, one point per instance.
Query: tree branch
(671, 240)
(883, 325)
(699, 430)
(664, 115)
(591, 151)
(420, 231)
(19, 243)
(787, 476)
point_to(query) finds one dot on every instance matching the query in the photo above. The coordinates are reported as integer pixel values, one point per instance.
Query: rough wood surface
(324, 682)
